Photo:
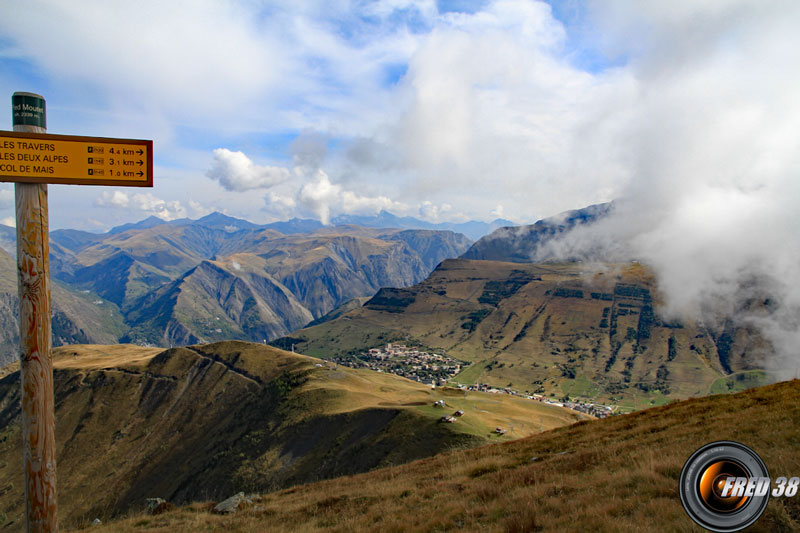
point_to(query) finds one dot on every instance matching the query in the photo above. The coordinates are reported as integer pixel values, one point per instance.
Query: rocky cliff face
(560, 329)
(433, 247)
(337, 269)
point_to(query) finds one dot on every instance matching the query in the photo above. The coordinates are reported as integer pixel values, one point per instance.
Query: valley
(491, 266)
(372, 348)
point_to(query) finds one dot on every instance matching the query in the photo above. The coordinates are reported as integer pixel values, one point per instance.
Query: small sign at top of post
(28, 110)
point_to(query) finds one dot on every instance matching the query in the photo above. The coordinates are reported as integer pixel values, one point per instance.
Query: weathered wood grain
(36, 363)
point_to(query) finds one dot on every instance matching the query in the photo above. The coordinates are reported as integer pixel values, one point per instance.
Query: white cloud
(142, 202)
(352, 202)
(199, 210)
(237, 172)
(430, 211)
(212, 58)
(6, 199)
(323, 199)
(113, 199)
(492, 110)
(282, 202)
(710, 144)
(319, 195)
(9, 221)
(166, 210)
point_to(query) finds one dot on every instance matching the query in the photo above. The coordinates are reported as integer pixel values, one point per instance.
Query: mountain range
(213, 416)
(473, 229)
(220, 278)
(523, 244)
(77, 316)
(566, 330)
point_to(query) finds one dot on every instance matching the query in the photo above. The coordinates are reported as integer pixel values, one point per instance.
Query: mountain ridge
(384, 219)
(304, 275)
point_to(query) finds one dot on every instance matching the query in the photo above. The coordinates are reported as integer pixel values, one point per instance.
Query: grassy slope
(346, 307)
(527, 336)
(198, 423)
(617, 474)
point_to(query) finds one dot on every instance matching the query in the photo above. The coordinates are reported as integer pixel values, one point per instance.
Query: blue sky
(444, 110)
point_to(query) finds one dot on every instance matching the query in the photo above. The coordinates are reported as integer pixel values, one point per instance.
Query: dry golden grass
(618, 474)
(96, 357)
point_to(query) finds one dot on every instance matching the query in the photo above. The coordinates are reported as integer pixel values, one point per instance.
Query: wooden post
(36, 363)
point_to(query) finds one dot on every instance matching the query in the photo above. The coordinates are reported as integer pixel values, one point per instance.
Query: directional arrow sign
(75, 160)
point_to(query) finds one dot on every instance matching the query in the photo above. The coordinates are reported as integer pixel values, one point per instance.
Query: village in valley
(408, 362)
(439, 370)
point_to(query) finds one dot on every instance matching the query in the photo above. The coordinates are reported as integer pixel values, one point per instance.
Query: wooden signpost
(32, 159)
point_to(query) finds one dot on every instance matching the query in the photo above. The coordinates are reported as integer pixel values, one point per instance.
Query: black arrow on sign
(140, 162)
(140, 151)
(140, 173)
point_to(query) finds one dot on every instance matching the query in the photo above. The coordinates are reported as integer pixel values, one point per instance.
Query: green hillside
(583, 331)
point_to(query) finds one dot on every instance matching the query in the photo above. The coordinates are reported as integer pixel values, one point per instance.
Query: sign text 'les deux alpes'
(75, 160)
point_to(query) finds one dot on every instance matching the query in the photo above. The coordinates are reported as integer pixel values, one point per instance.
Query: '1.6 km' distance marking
(736, 487)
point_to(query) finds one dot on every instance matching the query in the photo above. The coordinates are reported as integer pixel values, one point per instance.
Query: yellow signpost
(75, 160)
(32, 159)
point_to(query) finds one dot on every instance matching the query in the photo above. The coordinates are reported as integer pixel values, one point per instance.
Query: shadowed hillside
(204, 421)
